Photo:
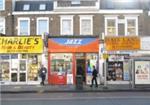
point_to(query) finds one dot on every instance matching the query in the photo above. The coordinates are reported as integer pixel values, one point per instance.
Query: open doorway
(80, 64)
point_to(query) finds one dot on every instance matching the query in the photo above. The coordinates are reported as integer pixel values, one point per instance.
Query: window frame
(26, 9)
(3, 25)
(68, 17)
(126, 24)
(3, 6)
(86, 17)
(106, 24)
(41, 7)
(19, 20)
(37, 24)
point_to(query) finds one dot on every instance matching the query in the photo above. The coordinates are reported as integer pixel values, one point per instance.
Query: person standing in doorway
(94, 77)
(42, 74)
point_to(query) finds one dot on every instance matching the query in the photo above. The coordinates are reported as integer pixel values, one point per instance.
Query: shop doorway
(19, 75)
(80, 68)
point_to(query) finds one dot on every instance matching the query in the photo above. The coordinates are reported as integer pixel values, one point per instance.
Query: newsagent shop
(20, 59)
(66, 54)
(117, 55)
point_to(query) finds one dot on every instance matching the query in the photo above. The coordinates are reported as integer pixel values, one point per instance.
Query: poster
(91, 61)
(126, 74)
(142, 72)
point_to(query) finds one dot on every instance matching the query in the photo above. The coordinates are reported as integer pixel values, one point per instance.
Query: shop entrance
(19, 74)
(80, 67)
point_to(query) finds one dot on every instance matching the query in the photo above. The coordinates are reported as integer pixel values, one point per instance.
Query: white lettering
(74, 41)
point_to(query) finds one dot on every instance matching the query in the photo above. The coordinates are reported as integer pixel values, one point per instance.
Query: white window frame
(63, 17)
(20, 19)
(41, 7)
(3, 6)
(75, 2)
(26, 7)
(116, 24)
(89, 17)
(37, 24)
(136, 24)
(4, 28)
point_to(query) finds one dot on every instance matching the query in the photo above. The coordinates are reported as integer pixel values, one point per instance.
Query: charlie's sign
(122, 43)
(23, 44)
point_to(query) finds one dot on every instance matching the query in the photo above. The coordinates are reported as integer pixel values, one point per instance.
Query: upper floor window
(86, 25)
(131, 26)
(111, 26)
(75, 2)
(23, 26)
(42, 26)
(26, 7)
(2, 4)
(42, 7)
(66, 25)
(2, 25)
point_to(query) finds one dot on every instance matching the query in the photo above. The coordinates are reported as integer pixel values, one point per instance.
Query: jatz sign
(24, 44)
(122, 43)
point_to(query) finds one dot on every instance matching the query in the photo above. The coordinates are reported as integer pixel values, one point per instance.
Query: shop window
(23, 26)
(92, 60)
(5, 70)
(117, 68)
(86, 25)
(4, 67)
(34, 62)
(115, 71)
(61, 64)
(2, 4)
(131, 26)
(66, 25)
(2, 25)
(111, 26)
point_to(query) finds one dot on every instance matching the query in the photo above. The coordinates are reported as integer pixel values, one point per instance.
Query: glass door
(18, 69)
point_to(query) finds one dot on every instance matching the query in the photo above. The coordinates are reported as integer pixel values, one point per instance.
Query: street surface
(100, 98)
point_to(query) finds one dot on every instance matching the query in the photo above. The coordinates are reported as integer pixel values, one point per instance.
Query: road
(101, 98)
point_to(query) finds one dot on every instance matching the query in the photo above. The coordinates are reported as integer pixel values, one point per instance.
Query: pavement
(70, 88)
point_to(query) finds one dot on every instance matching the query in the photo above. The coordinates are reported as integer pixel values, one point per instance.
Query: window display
(5, 70)
(61, 63)
(34, 62)
(115, 71)
(92, 60)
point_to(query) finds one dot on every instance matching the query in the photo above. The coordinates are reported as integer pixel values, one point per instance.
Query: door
(80, 68)
(19, 71)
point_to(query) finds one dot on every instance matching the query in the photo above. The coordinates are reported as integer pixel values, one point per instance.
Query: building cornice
(82, 12)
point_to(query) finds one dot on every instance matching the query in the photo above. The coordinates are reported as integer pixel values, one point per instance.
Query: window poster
(126, 74)
(142, 72)
(91, 61)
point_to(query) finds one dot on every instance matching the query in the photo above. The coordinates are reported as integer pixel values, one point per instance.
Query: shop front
(20, 59)
(119, 51)
(71, 56)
